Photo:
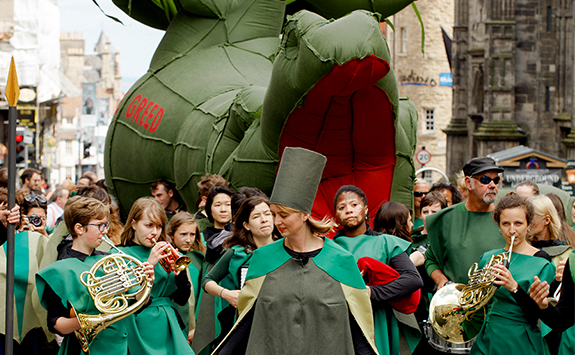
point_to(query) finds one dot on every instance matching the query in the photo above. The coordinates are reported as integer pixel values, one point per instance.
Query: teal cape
(303, 307)
(506, 330)
(211, 326)
(63, 277)
(29, 249)
(383, 248)
(155, 329)
(196, 272)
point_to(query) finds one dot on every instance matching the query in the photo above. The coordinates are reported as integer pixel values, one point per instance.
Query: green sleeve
(430, 262)
(220, 270)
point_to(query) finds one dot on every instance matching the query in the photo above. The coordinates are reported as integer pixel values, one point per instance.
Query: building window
(68, 144)
(549, 17)
(547, 99)
(403, 40)
(70, 173)
(429, 120)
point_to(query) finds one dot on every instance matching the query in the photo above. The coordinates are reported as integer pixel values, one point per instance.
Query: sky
(135, 41)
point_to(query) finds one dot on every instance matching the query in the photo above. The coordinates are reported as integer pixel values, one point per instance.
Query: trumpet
(181, 262)
(121, 273)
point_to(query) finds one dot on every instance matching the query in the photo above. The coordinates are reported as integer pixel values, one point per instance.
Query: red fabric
(378, 273)
(350, 120)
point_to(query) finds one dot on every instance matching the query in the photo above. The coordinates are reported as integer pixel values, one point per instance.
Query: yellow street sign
(12, 87)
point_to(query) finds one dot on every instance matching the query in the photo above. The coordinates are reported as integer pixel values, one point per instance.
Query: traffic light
(20, 149)
(87, 146)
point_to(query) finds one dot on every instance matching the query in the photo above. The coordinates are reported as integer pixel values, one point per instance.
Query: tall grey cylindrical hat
(298, 178)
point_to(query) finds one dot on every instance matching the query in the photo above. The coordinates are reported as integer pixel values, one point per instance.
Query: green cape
(63, 277)
(28, 314)
(273, 257)
(387, 336)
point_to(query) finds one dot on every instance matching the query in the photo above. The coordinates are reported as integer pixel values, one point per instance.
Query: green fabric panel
(51, 253)
(458, 238)
(272, 256)
(317, 323)
(195, 271)
(148, 12)
(329, 9)
(216, 73)
(28, 250)
(22, 257)
(506, 329)
(382, 248)
(306, 55)
(142, 328)
(405, 142)
(63, 277)
(298, 178)
(567, 346)
(418, 240)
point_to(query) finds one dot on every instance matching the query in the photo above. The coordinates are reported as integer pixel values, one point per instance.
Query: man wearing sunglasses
(420, 189)
(459, 234)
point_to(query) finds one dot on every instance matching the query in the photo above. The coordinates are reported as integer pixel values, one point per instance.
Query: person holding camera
(33, 209)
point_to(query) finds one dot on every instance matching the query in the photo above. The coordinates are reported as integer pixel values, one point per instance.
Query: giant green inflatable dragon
(227, 90)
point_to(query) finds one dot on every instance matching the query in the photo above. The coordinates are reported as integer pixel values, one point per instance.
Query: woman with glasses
(59, 285)
(33, 208)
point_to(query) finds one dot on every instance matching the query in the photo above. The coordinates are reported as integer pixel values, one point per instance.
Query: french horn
(456, 311)
(109, 281)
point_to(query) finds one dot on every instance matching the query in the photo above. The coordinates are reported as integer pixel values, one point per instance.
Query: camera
(35, 220)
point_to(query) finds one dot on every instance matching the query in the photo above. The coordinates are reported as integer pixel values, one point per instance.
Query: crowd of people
(251, 274)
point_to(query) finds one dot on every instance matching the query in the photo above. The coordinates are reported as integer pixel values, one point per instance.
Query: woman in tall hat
(303, 293)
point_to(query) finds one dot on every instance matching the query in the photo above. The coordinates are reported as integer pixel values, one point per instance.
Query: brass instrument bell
(181, 262)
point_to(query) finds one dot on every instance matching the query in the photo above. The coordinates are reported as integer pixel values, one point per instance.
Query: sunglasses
(486, 180)
(419, 193)
(33, 198)
(101, 226)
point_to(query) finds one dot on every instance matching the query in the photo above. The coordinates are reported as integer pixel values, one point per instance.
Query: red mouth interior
(350, 120)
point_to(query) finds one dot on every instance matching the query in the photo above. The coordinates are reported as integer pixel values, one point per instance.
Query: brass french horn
(456, 311)
(108, 282)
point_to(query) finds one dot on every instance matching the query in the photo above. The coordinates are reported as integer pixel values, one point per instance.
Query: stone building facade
(513, 78)
(102, 68)
(425, 78)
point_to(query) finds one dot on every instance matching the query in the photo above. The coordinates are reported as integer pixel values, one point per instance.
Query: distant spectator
(32, 180)
(56, 207)
(91, 175)
(420, 189)
(69, 185)
(165, 193)
(3, 177)
(461, 186)
(33, 208)
(242, 195)
(449, 191)
(394, 218)
(567, 234)
(204, 186)
(527, 189)
(102, 184)
(84, 181)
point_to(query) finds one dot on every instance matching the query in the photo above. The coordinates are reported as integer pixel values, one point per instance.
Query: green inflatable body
(227, 91)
